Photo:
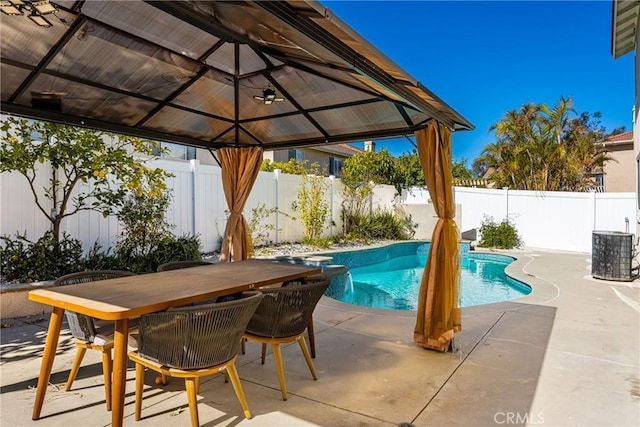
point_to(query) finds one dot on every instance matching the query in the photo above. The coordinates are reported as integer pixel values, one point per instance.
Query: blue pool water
(389, 277)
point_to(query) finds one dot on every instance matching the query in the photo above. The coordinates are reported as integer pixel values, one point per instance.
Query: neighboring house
(185, 152)
(329, 157)
(624, 39)
(473, 183)
(617, 175)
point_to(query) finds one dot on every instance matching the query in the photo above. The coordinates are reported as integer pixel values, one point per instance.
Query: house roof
(624, 24)
(189, 71)
(621, 137)
(620, 141)
(346, 150)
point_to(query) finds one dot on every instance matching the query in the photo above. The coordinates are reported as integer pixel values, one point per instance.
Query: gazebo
(235, 78)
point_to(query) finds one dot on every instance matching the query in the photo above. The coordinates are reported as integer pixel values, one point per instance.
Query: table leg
(49, 354)
(119, 371)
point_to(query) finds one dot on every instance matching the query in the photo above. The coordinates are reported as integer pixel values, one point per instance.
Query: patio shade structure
(189, 71)
(438, 314)
(210, 74)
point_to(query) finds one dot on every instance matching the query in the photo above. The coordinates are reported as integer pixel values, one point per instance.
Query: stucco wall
(619, 174)
(425, 216)
(310, 156)
(205, 157)
(16, 303)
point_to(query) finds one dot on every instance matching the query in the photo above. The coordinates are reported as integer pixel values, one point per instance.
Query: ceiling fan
(268, 96)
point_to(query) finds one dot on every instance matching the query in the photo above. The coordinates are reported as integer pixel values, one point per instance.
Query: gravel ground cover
(296, 249)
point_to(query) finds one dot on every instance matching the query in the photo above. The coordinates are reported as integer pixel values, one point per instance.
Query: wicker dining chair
(192, 342)
(175, 265)
(90, 333)
(328, 273)
(178, 265)
(282, 317)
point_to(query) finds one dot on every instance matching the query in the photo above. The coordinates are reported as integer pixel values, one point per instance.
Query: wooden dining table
(123, 298)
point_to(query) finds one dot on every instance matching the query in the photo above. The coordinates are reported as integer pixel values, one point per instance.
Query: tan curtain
(240, 167)
(438, 314)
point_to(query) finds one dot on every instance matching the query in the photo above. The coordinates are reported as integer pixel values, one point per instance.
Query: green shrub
(129, 258)
(147, 239)
(98, 259)
(292, 167)
(320, 242)
(382, 225)
(168, 248)
(144, 223)
(13, 257)
(500, 236)
(25, 261)
(183, 248)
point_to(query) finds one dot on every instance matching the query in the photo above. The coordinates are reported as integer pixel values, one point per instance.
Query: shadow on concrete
(497, 380)
(24, 338)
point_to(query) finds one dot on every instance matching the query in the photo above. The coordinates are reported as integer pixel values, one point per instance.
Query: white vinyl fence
(550, 220)
(198, 206)
(547, 220)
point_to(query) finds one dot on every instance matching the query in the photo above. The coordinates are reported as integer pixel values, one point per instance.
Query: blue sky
(485, 58)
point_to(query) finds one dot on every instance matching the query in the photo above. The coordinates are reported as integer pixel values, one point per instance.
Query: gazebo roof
(190, 71)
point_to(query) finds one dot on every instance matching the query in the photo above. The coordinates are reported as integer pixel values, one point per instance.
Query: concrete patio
(566, 355)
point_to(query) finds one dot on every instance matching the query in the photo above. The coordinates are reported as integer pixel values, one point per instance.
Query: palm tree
(543, 149)
(513, 154)
(582, 141)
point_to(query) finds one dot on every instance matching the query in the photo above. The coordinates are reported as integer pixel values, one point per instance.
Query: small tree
(147, 240)
(102, 160)
(311, 205)
(369, 166)
(459, 170)
(144, 223)
(293, 166)
(360, 174)
(408, 172)
(259, 229)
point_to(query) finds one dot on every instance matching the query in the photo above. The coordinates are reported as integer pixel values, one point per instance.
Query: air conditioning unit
(611, 255)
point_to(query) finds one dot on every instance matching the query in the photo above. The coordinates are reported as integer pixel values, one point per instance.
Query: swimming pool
(389, 277)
